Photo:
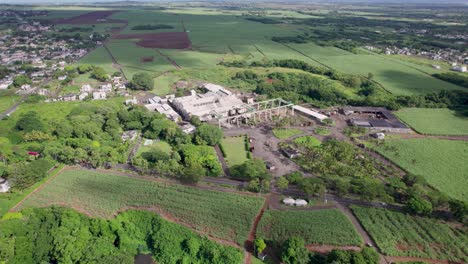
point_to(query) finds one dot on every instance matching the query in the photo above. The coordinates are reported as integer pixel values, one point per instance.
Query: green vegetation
(10, 199)
(441, 162)
(160, 145)
(307, 142)
(323, 131)
(50, 235)
(234, 149)
(142, 81)
(328, 227)
(433, 121)
(455, 78)
(220, 214)
(284, 133)
(397, 234)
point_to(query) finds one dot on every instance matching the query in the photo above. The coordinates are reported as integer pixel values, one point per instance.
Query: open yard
(397, 234)
(443, 163)
(327, 227)
(6, 101)
(435, 121)
(307, 141)
(284, 133)
(234, 148)
(220, 214)
(159, 145)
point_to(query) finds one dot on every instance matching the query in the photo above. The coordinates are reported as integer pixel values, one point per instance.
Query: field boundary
(52, 176)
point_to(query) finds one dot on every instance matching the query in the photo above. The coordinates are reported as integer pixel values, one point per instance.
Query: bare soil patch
(147, 59)
(162, 40)
(91, 18)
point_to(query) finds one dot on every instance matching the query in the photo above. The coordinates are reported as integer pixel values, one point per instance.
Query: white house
(4, 185)
(82, 96)
(86, 88)
(107, 88)
(459, 68)
(99, 95)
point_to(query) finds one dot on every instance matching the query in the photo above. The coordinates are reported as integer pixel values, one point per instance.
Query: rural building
(129, 135)
(132, 101)
(186, 127)
(290, 152)
(86, 88)
(4, 185)
(164, 109)
(68, 97)
(375, 118)
(107, 88)
(216, 103)
(310, 113)
(99, 95)
(82, 96)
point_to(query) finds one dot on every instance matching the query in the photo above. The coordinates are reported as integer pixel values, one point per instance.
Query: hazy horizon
(58, 2)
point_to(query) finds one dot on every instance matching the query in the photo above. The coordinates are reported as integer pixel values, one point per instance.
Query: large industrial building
(216, 102)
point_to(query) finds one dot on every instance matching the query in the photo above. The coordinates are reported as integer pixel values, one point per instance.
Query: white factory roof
(309, 112)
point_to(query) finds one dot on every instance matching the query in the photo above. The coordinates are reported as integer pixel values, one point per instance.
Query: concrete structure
(216, 103)
(259, 111)
(290, 152)
(310, 113)
(82, 96)
(4, 185)
(164, 109)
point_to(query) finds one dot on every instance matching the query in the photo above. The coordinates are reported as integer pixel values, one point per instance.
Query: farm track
(249, 244)
(37, 189)
(115, 63)
(169, 59)
(259, 50)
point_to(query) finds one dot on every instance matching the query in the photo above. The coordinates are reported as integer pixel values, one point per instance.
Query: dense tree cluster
(59, 235)
(452, 77)
(142, 81)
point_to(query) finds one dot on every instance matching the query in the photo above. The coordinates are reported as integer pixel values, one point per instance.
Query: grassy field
(307, 141)
(99, 57)
(220, 214)
(397, 234)
(435, 121)
(234, 148)
(443, 163)
(7, 100)
(328, 226)
(398, 77)
(163, 84)
(284, 133)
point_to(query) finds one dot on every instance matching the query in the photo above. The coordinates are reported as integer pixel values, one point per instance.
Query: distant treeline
(264, 20)
(76, 29)
(303, 87)
(454, 78)
(152, 27)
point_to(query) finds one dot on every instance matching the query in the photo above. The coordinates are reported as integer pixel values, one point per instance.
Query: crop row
(223, 215)
(398, 234)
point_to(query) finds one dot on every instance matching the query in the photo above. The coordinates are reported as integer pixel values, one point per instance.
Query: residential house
(99, 95)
